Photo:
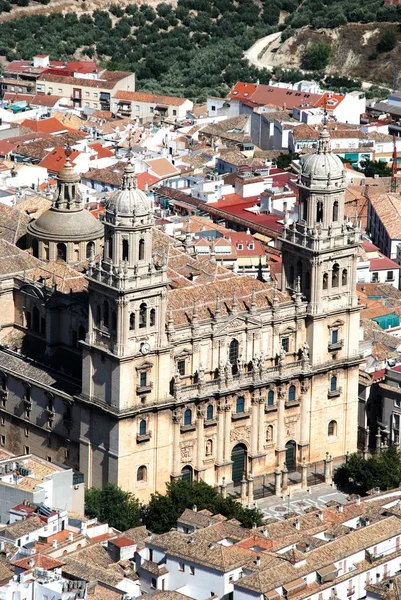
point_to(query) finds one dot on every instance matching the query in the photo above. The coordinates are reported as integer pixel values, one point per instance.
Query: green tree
(370, 168)
(284, 159)
(360, 474)
(163, 510)
(316, 57)
(114, 506)
(388, 41)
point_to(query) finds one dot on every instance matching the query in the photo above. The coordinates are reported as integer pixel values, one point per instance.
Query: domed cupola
(323, 169)
(129, 201)
(67, 231)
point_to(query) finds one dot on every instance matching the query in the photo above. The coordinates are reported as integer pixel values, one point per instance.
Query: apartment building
(145, 106)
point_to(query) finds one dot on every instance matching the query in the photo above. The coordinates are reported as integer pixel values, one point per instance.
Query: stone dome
(128, 200)
(66, 226)
(323, 164)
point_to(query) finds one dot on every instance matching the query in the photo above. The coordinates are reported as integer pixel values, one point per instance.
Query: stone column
(280, 448)
(284, 478)
(304, 475)
(261, 434)
(305, 412)
(200, 442)
(220, 434)
(227, 431)
(277, 482)
(250, 489)
(243, 490)
(378, 441)
(177, 416)
(90, 336)
(254, 427)
(327, 469)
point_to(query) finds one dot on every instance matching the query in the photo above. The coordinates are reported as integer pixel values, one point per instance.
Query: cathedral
(156, 365)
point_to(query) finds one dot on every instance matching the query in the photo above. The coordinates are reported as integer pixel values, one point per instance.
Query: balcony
(270, 407)
(210, 422)
(335, 345)
(291, 403)
(185, 428)
(335, 393)
(237, 416)
(144, 437)
(144, 389)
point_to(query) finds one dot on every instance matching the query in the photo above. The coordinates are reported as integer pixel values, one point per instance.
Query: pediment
(237, 323)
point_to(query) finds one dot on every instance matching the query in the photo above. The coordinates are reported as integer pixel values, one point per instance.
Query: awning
(294, 586)
(263, 238)
(328, 573)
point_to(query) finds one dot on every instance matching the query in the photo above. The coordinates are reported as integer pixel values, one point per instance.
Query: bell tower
(127, 303)
(319, 253)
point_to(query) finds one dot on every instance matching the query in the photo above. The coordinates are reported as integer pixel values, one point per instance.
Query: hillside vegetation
(196, 47)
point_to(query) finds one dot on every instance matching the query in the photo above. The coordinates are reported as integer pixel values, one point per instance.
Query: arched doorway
(239, 459)
(187, 474)
(290, 455)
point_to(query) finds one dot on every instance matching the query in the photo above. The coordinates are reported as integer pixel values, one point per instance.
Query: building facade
(189, 371)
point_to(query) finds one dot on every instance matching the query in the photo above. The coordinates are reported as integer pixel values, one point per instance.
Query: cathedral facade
(184, 369)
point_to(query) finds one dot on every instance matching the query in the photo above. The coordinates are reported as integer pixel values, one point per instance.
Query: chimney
(195, 508)
(340, 508)
(31, 562)
(358, 500)
(297, 524)
(70, 536)
(320, 515)
(390, 584)
(54, 543)
(264, 531)
(257, 561)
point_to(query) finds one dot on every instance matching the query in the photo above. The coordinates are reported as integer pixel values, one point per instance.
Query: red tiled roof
(148, 97)
(242, 90)
(383, 264)
(55, 160)
(51, 125)
(122, 542)
(40, 561)
(102, 151)
(369, 246)
(377, 375)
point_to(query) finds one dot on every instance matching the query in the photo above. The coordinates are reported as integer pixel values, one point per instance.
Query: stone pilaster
(177, 417)
(200, 420)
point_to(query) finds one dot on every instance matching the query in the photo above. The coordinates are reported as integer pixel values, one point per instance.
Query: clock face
(145, 348)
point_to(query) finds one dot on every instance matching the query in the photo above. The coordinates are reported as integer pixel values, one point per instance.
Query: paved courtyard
(318, 497)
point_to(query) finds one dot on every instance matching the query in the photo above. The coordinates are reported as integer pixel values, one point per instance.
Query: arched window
(81, 332)
(269, 433)
(291, 393)
(209, 412)
(152, 317)
(35, 319)
(319, 211)
(98, 315)
(332, 428)
(142, 427)
(110, 240)
(142, 315)
(106, 314)
(325, 281)
(141, 249)
(35, 248)
(233, 355)
(335, 210)
(333, 383)
(114, 320)
(240, 404)
(270, 398)
(142, 474)
(76, 255)
(90, 250)
(61, 252)
(344, 277)
(304, 210)
(125, 250)
(132, 321)
(188, 417)
(335, 275)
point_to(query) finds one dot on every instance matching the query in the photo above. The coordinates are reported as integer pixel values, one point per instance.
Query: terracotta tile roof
(39, 148)
(122, 542)
(383, 264)
(108, 79)
(51, 125)
(162, 167)
(113, 175)
(149, 98)
(55, 160)
(21, 528)
(40, 561)
(101, 591)
(242, 90)
(388, 208)
(275, 96)
(13, 224)
(34, 206)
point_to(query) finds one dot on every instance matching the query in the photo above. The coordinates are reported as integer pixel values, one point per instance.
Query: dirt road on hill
(260, 53)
